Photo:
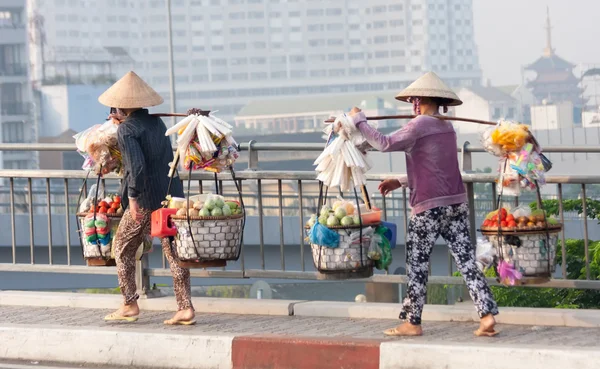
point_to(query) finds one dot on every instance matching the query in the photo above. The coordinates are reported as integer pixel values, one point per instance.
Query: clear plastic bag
(91, 199)
(484, 254)
(521, 211)
(354, 237)
(509, 183)
(375, 252)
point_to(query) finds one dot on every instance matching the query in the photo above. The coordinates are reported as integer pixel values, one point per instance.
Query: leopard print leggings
(130, 236)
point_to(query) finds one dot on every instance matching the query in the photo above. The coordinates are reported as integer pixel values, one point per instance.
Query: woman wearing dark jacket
(147, 153)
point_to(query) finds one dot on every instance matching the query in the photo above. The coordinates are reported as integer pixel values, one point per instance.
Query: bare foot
(406, 330)
(486, 327)
(182, 317)
(125, 312)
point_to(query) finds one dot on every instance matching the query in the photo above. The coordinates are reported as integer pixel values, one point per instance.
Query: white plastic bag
(521, 211)
(484, 254)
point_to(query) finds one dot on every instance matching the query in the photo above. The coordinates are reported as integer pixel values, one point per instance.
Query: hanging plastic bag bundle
(342, 164)
(205, 142)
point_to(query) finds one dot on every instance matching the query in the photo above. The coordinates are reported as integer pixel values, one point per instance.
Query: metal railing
(279, 203)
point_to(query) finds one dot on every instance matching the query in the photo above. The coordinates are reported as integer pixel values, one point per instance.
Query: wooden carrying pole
(442, 117)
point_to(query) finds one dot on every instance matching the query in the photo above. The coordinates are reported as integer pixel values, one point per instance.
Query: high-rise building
(229, 52)
(16, 113)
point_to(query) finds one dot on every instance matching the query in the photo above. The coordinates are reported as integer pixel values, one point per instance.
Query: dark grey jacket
(147, 153)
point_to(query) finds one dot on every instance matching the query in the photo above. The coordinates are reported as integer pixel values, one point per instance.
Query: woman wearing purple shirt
(437, 198)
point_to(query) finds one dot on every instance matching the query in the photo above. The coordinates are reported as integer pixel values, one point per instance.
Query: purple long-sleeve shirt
(434, 177)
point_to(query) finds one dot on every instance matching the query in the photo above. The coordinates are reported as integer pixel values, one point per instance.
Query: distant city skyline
(510, 34)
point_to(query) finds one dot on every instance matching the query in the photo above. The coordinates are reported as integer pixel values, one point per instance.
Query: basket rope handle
(79, 231)
(239, 189)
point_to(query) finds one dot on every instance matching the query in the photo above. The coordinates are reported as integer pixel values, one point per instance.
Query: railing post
(382, 292)
(252, 156)
(467, 167)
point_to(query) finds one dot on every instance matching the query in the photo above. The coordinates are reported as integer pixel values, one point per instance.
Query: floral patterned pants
(130, 236)
(452, 223)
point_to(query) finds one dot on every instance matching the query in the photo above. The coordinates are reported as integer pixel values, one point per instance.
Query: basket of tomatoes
(98, 225)
(526, 238)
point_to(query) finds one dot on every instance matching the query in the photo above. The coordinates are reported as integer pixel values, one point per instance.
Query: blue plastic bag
(391, 233)
(323, 236)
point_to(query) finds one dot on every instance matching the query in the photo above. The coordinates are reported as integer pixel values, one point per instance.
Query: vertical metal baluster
(31, 235)
(301, 201)
(221, 188)
(281, 238)
(585, 232)
(494, 196)
(12, 220)
(405, 209)
(384, 208)
(49, 221)
(68, 221)
(260, 225)
(242, 257)
(561, 215)
(201, 186)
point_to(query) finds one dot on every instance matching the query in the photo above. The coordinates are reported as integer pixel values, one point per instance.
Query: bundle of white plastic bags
(343, 164)
(205, 142)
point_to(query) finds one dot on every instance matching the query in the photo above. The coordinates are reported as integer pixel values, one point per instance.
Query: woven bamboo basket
(212, 241)
(91, 254)
(533, 252)
(348, 260)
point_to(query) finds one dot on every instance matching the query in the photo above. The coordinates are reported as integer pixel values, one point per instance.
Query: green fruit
(311, 222)
(216, 212)
(219, 203)
(356, 220)
(325, 211)
(537, 213)
(552, 221)
(332, 221)
(227, 210)
(323, 221)
(232, 205)
(347, 221)
(340, 213)
(210, 204)
(204, 212)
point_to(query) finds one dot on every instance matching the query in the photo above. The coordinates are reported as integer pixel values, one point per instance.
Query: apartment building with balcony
(228, 53)
(16, 113)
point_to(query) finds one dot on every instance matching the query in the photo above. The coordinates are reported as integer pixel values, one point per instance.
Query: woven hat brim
(452, 98)
(130, 92)
(430, 85)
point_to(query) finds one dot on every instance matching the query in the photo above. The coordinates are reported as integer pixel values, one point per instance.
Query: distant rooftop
(550, 63)
(320, 103)
(491, 93)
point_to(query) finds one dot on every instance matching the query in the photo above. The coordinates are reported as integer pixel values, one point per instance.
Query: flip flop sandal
(179, 322)
(114, 317)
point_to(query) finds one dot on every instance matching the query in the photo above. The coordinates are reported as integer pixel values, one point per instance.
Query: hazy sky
(511, 33)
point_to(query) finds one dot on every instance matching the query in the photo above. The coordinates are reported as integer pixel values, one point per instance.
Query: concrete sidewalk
(290, 338)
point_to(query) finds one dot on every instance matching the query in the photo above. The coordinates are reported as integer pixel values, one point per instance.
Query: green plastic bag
(386, 250)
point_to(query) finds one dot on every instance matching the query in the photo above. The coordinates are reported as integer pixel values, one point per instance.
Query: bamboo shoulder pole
(442, 117)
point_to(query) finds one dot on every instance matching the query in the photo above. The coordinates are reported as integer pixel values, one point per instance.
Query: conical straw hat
(130, 92)
(429, 85)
